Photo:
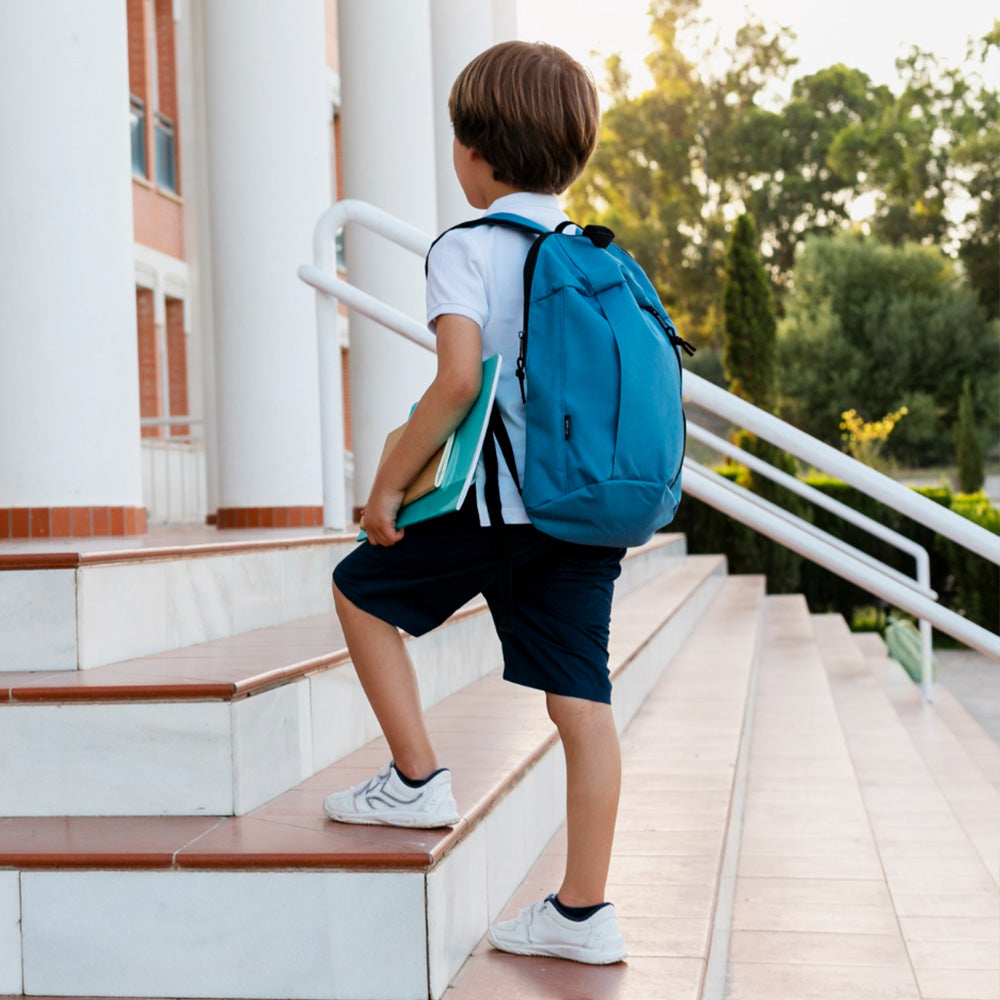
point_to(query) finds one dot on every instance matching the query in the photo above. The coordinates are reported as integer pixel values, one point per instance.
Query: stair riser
(38, 620)
(283, 934)
(633, 685)
(10, 933)
(214, 758)
(221, 934)
(153, 759)
(68, 619)
(217, 758)
(101, 613)
(301, 934)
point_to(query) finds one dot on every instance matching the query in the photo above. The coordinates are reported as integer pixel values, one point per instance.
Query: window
(166, 158)
(137, 122)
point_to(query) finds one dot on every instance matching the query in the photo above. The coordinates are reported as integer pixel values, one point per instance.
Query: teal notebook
(460, 457)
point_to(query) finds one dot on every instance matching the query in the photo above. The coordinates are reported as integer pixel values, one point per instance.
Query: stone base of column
(269, 517)
(71, 522)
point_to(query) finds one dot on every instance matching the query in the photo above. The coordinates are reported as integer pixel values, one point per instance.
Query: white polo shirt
(478, 273)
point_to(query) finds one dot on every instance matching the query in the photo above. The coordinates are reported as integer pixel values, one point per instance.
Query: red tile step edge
(223, 669)
(290, 831)
(157, 546)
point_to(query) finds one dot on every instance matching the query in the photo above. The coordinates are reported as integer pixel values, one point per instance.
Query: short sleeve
(456, 282)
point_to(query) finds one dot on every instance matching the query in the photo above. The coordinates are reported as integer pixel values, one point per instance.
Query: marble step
(683, 760)
(943, 891)
(813, 915)
(973, 797)
(106, 601)
(77, 604)
(219, 728)
(282, 903)
(976, 742)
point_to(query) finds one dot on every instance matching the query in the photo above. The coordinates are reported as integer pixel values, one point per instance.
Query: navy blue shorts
(552, 620)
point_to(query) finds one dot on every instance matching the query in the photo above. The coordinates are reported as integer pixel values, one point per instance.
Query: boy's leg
(390, 684)
(593, 785)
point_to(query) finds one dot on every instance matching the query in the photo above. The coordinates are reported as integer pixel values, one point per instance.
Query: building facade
(164, 164)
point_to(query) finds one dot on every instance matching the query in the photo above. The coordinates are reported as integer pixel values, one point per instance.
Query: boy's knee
(566, 711)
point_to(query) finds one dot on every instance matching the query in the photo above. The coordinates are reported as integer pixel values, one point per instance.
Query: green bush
(966, 582)
(968, 448)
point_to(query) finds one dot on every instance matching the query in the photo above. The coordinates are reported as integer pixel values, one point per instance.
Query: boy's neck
(507, 191)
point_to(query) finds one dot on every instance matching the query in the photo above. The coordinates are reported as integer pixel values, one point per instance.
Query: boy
(525, 118)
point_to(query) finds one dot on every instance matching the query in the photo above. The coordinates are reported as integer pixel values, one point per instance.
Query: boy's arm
(440, 410)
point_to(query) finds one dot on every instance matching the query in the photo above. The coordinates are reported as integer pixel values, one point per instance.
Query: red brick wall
(159, 220)
(166, 58)
(177, 364)
(150, 391)
(137, 83)
(158, 217)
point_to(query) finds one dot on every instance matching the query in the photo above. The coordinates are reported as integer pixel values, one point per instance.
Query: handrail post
(331, 390)
(926, 633)
(884, 582)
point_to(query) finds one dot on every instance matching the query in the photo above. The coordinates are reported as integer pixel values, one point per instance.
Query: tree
(794, 187)
(968, 449)
(667, 163)
(930, 152)
(874, 327)
(749, 359)
(749, 323)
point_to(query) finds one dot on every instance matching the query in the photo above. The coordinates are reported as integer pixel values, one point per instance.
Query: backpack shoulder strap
(505, 219)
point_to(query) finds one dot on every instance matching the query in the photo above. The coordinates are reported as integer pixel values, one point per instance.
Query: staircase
(796, 821)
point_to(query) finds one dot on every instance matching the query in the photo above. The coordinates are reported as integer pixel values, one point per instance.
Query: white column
(461, 29)
(267, 130)
(197, 234)
(69, 384)
(388, 159)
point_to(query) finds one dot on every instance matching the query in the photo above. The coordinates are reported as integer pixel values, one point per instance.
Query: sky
(865, 34)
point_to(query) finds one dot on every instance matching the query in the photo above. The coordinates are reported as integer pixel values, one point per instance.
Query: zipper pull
(566, 427)
(519, 370)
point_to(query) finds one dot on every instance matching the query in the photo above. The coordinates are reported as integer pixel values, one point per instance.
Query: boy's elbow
(463, 390)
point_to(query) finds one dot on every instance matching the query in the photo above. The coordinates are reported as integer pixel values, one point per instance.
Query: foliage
(749, 345)
(713, 138)
(968, 449)
(966, 582)
(669, 161)
(748, 358)
(874, 328)
(937, 143)
(864, 441)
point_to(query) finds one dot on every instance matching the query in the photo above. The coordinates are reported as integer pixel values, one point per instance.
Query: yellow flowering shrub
(864, 440)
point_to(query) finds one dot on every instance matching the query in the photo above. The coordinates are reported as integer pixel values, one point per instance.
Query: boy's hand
(379, 516)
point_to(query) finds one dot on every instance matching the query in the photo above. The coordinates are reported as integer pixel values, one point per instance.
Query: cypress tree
(749, 360)
(749, 342)
(968, 448)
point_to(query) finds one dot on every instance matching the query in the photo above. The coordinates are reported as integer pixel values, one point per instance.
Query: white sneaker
(386, 800)
(540, 929)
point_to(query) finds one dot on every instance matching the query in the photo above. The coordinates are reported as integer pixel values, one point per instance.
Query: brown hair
(530, 110)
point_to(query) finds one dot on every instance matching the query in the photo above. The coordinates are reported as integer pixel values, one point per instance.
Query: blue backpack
(600, 373)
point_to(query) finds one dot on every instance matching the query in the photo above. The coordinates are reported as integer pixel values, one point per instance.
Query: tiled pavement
(858, 878)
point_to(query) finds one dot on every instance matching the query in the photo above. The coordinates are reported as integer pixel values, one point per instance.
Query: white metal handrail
(849, 514)
(710, 488)
(728, 498)
(821, 456)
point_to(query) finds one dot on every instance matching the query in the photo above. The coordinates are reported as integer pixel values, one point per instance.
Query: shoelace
(377, 781)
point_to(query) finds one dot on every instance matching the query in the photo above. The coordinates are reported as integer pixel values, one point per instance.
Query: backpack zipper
(529, 272)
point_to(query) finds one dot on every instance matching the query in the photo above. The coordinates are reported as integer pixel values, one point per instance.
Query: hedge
(965, 582)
